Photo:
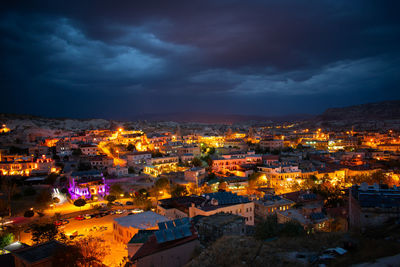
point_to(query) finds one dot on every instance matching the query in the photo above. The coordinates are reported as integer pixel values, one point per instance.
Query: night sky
(108, 60)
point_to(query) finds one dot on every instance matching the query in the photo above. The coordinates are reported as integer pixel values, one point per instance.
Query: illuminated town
(126, 180)
(199, 134)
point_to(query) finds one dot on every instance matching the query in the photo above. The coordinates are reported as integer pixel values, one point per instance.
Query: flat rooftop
(39, 252)
(143, 221)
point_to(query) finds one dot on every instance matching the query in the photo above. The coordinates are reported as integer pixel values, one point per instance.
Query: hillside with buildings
(18, 122)
(160, 193)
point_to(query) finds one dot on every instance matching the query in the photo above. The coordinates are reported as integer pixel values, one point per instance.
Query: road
(86, 227)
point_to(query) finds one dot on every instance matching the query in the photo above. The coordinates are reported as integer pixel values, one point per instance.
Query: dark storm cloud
(232, 56)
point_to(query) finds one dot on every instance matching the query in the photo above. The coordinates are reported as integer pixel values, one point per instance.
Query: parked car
(136, 211)
(129, 203)
(87, 216)
(79, 218)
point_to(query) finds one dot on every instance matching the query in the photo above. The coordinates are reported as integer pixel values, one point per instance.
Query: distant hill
(23, 121)
(220, 118)
(372, 116)
(387, 110)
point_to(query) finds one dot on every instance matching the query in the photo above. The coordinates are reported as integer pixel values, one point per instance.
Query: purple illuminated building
(87, 184)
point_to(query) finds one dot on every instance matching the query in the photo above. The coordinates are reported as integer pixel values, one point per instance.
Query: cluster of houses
(281, 158)
(153, 240)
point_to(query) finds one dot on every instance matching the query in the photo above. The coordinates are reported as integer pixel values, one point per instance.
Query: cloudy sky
(103, 59)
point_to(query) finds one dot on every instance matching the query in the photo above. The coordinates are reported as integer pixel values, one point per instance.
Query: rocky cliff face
(388, 110)
(373, 116)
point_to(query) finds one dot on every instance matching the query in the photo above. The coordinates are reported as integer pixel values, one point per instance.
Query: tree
(29, 191)
(6, 239)
(56, 200)
(116, 190)
(93, 249)
(130, 147)
(8, 187)
(63, 180)
(208, 159)
(111, 198)
(205, 189)
(292, 228)
(379, 177)
(141, 200)
(299, 147)
(211, 151)
(156, 154)
(131, 170)
(77, 152)
(162, 183)
(57, 216)
(51, 179)
(193, 189)
(44, 198)
(237, 185)
(267, 228)
(44, 232)
(80, 202)
(197, 162)
(84, 166)
(29, 213)
(64, 190)
(222, 185)
(143, 192)
(309, 183)
(255, 180)
(179, 191)
(86, 252)
(69, 256)
(333, 195)
(211, 176)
